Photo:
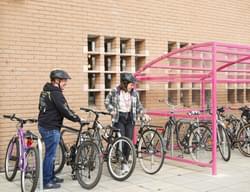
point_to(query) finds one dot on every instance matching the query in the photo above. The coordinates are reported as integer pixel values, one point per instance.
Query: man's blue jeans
(51, 139)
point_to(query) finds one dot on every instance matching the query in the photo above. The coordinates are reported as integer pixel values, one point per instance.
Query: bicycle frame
(78, 140)
(96, 127)
(23, 147)
(98, 137)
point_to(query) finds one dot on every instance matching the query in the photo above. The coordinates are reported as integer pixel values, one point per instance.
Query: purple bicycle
(22, 155)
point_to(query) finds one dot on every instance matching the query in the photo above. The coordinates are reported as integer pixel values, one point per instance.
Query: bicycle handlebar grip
(85, 109)
(83, 122)
(32, 120)
(9, 116)
(105, 113)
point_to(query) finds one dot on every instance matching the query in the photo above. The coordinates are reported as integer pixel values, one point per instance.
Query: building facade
(95, 41)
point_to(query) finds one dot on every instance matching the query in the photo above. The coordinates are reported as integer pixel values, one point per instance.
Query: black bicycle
(176, 133)
(200, 141)
(238, 131)
(83, 156)
(118, 151)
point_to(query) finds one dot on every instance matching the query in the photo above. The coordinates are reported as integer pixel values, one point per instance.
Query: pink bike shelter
(219, 63)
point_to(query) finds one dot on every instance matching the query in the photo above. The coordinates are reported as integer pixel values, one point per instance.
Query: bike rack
(224, 63)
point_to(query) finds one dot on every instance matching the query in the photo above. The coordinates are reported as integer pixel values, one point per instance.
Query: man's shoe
(57, 180)
(51, 185)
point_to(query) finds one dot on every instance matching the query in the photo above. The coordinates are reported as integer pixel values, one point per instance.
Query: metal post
(203, 95)
(214, 110)
(172, 141)
(39, 143)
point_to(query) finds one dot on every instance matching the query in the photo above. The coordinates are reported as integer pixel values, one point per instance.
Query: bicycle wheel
(30, 173)
(88, 165)
(151, 152)
(200, 144)
(223, 143)
(12, 159)
(183, 131)
(60, 158)
(243, 140)
(121, 158)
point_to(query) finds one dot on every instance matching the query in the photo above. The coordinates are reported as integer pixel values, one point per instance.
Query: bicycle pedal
(186, 151)
(74, 177)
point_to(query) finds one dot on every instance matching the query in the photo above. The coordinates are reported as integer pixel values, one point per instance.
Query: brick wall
(39, 35)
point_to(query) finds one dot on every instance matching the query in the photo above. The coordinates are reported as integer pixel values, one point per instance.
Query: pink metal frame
(222, 63)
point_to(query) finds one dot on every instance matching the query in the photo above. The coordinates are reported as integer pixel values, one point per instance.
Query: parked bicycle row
(93, 146)
(194, 135)
(96, 143)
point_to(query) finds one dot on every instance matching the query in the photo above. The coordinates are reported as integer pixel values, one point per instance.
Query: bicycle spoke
(88, 165)
(151, 151)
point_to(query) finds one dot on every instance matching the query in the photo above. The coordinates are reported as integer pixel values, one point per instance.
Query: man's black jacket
(53, 108)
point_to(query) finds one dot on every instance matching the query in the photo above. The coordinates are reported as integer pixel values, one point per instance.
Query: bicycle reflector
(29, 142)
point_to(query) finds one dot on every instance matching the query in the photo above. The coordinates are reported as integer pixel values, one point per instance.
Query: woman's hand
(112, 113)
(146, 117)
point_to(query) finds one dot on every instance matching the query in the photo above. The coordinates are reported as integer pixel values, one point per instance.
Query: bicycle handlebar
(194, 113)
(82, 123)
(95, 112)
(20, 120)
(172, 105)
(245, 108)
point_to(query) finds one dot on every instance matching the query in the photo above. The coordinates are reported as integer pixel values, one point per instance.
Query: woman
(124, 105)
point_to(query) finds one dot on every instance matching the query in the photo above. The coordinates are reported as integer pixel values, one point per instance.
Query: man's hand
(83, 122)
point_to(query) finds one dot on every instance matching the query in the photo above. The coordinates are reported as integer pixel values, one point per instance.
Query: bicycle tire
(116, 158)
(223, 143)
(60, 159)
(182, 137)
(167, 135)
(88, 158)
(243, 140)
(200, 144)
(11, 173)
(236, 123)
(30, 174)
(151, 151)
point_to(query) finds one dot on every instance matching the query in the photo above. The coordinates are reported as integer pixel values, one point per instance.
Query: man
(53, 108)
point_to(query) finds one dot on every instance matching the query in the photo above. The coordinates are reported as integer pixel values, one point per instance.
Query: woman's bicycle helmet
(127, 77)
